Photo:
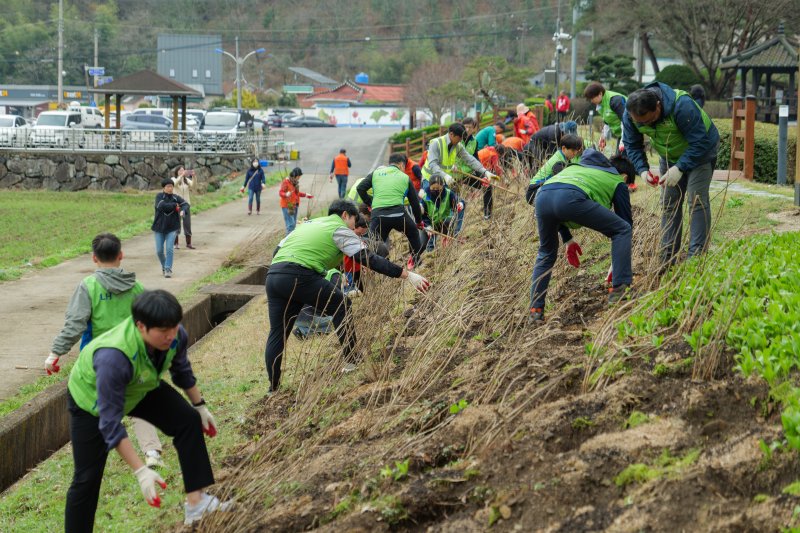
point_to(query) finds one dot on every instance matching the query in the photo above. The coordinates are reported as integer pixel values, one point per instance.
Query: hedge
(412, 134)
(766, 150)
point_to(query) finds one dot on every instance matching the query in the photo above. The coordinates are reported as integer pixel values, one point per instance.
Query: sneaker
(537, 316)
(249, 212)
(299, 334)
(207, 504)
(168, 273)
(348, 367)
(153, 459)
(617, 294)
(487, 217)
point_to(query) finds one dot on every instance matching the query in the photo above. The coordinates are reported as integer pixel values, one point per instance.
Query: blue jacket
(255, 179)
(688, 118)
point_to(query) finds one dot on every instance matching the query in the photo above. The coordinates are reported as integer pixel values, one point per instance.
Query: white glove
(419, 282)
(209, 426)
(490, 175)
(353, 294)
(287, 194)
(672, 177)
(421, 194)
(51, 364)
(147, 482)
(448, 179)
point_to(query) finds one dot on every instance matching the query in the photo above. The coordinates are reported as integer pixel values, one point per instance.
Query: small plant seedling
(458, 406)
(582, 422)
(637, 418)
(792, 489)
(396, 473)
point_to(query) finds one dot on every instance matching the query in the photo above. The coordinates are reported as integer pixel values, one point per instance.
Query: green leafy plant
(396, 473)
(459, 406)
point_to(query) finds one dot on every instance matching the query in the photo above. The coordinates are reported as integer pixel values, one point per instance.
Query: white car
(59, 129)
(91, 117)
(13, 130)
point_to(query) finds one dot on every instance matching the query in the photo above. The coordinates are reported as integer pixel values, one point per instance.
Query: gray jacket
(435, 157)
(79, 309)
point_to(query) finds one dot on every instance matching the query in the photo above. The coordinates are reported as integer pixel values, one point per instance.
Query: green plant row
(765, 162)
(751, 300)
(412, 134)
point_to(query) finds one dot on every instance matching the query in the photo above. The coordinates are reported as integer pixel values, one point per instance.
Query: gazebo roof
(777, 53)
(146, 83)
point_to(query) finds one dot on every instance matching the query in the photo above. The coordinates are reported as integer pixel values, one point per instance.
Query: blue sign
(97, 71)
(104, 80)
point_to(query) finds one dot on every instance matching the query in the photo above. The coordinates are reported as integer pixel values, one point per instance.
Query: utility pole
(574, 60)
(60, 52)
(559, 36)
(96, 46)
(238, 77)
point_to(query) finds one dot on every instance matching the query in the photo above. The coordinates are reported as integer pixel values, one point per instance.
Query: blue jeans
(289, 220)
(341, 180)
(554, 206)
(165, 240)
(250, 194)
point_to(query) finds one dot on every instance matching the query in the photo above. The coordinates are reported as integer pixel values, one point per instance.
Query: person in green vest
(687, 141)
(582, 195)
(352, 194)
(391, 186)
(571, 148)
(439, 207)
(296, 278)
(100, 302)
(445, 152)
(610, 106)
(120, 373)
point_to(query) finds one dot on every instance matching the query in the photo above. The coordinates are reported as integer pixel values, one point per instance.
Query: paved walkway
(33, 307)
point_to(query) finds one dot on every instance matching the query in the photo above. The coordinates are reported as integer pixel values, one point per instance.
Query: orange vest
(410, 173)
(514, 143)
(340, 167)
(490, 159)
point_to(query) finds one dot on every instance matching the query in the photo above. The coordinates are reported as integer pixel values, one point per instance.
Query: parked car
(57, 129)
(291, 115)
(197, 114)
(192, 123)
(225, 128)
(308, 122)
(274, 120)
(260, 126)
(13, 130)
(161, 127)
(91, 117)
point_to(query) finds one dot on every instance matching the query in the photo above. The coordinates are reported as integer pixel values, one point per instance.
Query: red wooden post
(749, 136)
(736, 124)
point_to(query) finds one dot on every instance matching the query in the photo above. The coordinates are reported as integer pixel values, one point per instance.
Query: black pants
(290, 287)
(163, 407)
(488, 201)
(380, 227)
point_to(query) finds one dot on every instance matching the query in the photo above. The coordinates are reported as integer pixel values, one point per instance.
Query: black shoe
(618, 294)
(299, 334)
(537, 316)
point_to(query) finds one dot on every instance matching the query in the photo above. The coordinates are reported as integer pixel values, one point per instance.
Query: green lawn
(39, 229)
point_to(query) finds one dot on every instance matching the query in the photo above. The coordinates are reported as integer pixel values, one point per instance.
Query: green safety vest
(389, 186)
(471, 147)
(448, 157)
(126, 338)
(546, 172)
(665, 137)
(108, 309)
(609, 117)
(598, 185)
(352, 194)
(438, 214)
(330, 273)
(311, 244)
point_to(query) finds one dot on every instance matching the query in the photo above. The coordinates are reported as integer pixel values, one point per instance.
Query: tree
(287, 100)
(435, 86)
(615, 73)
(249, 100)
(494, 80)
(678, 77)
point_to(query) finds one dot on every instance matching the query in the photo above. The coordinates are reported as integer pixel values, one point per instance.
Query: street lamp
(239, 62)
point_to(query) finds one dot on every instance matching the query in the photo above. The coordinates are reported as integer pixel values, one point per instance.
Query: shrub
(678, 77)
(766, 150)
(413, 134)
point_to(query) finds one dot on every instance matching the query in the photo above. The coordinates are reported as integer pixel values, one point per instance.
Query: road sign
(104, 80)
(97, 71)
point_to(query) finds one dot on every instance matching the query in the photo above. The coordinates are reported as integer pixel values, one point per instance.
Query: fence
(270, 146)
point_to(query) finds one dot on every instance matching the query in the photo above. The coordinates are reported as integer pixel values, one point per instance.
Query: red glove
(177, 208)
(650, 178)
(485, 182)
(573, 253)
(610, 275)
(420, 225)
(309, 196)
(459, 207)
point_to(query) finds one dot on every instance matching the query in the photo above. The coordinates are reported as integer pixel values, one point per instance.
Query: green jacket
(389, 186)
(126, 338)
(610, 117)
(311, 245)
(546, 172)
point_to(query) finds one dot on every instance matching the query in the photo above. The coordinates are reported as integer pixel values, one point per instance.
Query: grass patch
(666, 465)
(36, 503)
(636, 419)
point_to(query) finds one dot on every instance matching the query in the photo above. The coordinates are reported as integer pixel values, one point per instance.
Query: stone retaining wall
(75, 172)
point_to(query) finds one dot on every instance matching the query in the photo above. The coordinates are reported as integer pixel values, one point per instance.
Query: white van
(91, 117)
(59, 129)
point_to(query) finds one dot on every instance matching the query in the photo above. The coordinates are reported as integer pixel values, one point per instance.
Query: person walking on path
(254, 182)
(687, 142)
(562, 106)
(100, 302)
(610, 106)
(169, 208)
(340, 167)
(443, 154)
(183, 182)
(118, 374)
(390, 187)
(290, 198)
(583, 195)
(296, 278)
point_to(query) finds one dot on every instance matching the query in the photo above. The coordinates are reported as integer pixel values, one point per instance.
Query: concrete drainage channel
(33, 432)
